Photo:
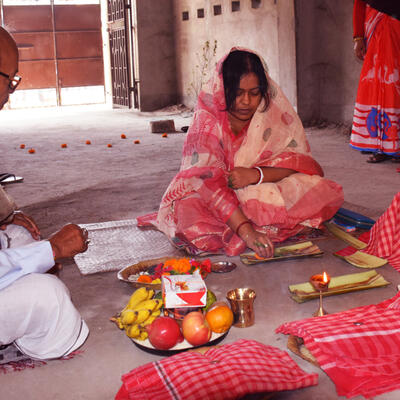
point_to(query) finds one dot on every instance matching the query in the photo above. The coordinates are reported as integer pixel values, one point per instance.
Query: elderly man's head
(8, 69)
(8, 65)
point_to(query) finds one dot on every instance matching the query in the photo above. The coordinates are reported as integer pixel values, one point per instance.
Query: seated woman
(247, 177)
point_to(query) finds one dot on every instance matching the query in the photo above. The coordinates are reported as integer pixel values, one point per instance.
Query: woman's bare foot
(378, 158)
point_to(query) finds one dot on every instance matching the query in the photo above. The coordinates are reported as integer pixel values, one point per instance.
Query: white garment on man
(20, 255)
(36, 311)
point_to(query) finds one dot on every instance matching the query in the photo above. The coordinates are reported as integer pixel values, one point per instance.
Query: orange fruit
(144, 279)
(219, 318)
(109, 145)
(88, 142)
(137, 141)
(31, 151)
(164, 135)
(123, 136)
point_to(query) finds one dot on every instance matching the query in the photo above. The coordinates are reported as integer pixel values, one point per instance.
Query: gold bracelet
(358, 38)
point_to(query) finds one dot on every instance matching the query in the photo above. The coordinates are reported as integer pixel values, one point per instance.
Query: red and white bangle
(260, 180)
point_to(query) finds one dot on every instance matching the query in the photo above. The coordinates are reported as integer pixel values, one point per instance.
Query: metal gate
(60, 51)
(119, 28)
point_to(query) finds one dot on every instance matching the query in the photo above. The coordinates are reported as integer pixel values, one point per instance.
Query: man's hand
(26, 222)
(69, 241)
(241, 177)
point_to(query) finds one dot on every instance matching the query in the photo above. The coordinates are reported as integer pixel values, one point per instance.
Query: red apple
(195, 328)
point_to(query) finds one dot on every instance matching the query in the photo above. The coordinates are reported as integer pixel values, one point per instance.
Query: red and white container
(183, 291)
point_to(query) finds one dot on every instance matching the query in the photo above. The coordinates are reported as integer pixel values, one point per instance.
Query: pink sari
(198, 201)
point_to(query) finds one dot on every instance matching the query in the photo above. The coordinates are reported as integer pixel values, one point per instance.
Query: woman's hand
(241, 177)
(257, 241)
(26, 222)
(360, 49)
(261, 244)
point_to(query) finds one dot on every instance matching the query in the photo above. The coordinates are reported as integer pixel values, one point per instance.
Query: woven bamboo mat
(116, 244)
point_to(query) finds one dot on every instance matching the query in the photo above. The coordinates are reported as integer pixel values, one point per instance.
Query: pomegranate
(164, 333)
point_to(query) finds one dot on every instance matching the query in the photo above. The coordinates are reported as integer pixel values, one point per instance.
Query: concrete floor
(95, 183)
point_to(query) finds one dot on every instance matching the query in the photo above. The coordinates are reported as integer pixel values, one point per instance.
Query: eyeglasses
(14, 82)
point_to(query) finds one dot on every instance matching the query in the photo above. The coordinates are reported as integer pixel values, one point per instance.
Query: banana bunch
(142, 309)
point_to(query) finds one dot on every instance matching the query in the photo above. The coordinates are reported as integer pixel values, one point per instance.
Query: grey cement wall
(155, 54)
(327, 70)
(268, 29)
(306, 43)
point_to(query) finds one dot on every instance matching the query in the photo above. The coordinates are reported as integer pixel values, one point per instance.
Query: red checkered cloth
(383, 238)
(359, 349)
(227, 372)
(349, 250)
(384, 235)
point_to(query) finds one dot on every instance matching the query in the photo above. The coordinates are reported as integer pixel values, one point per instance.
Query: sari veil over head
(198, 202)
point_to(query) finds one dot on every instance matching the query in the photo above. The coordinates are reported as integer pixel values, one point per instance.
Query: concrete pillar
(155, 54)
(327, 70)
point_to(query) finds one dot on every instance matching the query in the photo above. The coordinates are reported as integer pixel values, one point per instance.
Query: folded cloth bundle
(221, 373)
(359, 349)
(384, 235)
(382, 240)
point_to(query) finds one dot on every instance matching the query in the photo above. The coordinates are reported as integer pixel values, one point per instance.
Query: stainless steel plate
(222, 266)
(147, 346)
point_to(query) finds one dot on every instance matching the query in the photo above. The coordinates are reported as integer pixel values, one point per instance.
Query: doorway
(60, 49)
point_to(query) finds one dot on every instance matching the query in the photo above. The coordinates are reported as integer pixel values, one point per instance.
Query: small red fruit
(64, 146)
(21, 146)
(123, 136)
(164, 135)
(109, 145)
(137, 141)
(88, 142)
(31, 151)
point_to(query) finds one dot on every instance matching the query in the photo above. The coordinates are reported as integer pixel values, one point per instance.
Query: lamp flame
(326, 277)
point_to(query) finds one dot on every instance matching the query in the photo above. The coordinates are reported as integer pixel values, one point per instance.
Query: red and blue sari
(376, 121)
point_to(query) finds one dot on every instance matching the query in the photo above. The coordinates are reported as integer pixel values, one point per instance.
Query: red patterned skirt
(376, 121)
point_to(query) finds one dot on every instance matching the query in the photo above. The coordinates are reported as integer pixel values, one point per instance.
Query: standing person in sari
(376, 121)
(247, 178)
